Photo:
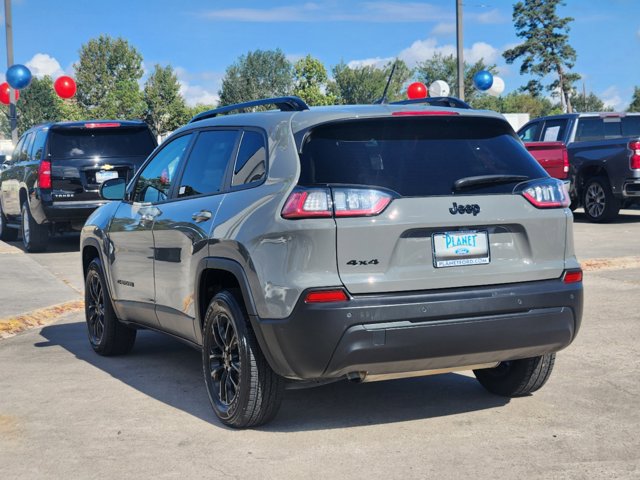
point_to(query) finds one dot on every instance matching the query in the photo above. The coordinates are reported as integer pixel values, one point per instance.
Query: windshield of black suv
(417, 155)
(100, 142)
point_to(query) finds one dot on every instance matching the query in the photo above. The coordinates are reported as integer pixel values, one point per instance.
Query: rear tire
(600, 205)
(34, 236)
(107, 335)
(243, 389)
(6, 234)
(517, 378)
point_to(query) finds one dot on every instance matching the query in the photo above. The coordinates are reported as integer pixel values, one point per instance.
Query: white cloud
(199, 87)
(444, 28)
(611, 98)
(490, 17)
(42, 64)
(381, 11)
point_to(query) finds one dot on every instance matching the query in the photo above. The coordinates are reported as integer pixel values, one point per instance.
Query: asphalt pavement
(68, 413)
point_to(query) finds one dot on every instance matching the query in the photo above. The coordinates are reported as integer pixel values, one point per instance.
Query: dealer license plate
(103, 175)
(455, 249)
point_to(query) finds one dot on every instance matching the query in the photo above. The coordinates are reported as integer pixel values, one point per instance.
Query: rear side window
(415, 156)
(251, 163)
(207, 163)
(23, 155)
(37, 151)
(631, 126)
(595, 128)
(100, 142)
(554, 130)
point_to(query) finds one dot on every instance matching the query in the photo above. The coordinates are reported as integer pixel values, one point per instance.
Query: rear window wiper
(469, 182)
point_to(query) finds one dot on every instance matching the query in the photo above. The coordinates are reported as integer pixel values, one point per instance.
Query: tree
(517, 102)
(588, 103)
(635, 101)
(258, 74)
(38, 104)
(365, 84)
(545, 49)
(166, 109)
(445, 67)
(311, 81)
(107, 75)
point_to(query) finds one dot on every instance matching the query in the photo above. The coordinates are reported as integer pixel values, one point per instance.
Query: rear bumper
(631, 189)
(72, 211)
(394, 333)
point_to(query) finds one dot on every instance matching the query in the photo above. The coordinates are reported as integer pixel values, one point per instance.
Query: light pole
(12, 93)
(460, 49)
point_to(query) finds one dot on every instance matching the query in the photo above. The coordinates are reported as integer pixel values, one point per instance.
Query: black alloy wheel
(95, 307)
(224, 360)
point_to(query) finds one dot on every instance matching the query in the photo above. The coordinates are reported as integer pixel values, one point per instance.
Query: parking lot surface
(68, 413)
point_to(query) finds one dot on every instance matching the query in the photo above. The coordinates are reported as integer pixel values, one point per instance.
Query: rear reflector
(572, 276)
(546, 193)
(44, 174)
(101, 125)
(326, 296)
(423, 112)
(635, 154)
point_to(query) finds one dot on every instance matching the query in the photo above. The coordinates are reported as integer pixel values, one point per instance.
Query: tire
(243, 389)
(107, 335)
(6, 234)
(517, 378)
(600, 205)
(34, 236)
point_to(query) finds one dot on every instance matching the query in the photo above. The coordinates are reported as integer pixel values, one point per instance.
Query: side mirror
(113, 189)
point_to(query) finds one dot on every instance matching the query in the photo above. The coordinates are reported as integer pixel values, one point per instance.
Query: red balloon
(65, 87)
(4, 93)
(417, 90)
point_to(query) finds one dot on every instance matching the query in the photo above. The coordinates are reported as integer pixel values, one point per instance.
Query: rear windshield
(415, 156)
(100, 142)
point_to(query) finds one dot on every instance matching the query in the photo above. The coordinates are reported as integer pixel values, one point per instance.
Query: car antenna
(383, 99)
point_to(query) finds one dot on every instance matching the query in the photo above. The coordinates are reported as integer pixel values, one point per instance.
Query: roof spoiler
(284, 104)
(436, 102)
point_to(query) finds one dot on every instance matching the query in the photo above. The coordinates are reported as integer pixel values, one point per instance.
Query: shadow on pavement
(62, 243)
(170, 372)
(625, 216)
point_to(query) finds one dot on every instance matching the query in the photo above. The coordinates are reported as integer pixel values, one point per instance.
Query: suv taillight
(635, 154)
(44, 174)
(338, 202)
(565, 162)
(546, 193)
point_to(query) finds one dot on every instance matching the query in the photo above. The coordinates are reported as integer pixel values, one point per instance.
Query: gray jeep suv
(298, 246)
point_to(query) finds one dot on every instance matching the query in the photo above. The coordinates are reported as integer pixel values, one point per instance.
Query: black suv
(51, 182)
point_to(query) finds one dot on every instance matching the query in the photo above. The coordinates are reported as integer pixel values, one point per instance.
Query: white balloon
(439, 88)
(497, 88)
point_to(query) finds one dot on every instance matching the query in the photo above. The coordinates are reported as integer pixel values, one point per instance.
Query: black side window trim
(158, 149)
(246, 186)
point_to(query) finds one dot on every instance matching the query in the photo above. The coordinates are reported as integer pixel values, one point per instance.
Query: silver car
(299, 246)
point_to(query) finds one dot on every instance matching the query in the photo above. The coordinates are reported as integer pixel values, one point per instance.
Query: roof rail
(436, 102)
(284, 104)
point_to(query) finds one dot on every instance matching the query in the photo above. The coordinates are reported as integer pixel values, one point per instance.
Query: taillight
(565, 162)
(44, 174)
(102, 125)
(308, 204)
(572, 276)
(326, 296)
(337, 201)
(635, 154)
(546, 193)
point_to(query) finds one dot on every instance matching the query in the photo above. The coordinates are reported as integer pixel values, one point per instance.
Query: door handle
(201, 216)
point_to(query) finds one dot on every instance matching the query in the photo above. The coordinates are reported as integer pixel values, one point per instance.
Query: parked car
(603, 156)
(300, 246)
(51, 182)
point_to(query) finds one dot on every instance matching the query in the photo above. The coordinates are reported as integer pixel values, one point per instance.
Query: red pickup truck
(597, 154)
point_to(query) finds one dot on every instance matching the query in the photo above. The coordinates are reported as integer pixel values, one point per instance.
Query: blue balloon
(483, 80)
(18, 76)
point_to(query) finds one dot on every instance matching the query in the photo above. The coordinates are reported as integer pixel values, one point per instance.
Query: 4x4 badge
(461, 209)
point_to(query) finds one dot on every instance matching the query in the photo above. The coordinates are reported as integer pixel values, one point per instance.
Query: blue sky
(201, 38)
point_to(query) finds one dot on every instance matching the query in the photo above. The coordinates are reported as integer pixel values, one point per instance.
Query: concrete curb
(11, 326)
